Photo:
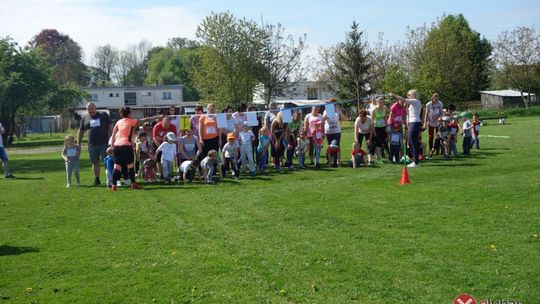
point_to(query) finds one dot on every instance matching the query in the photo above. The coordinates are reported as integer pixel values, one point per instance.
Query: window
(167, 95)
(111, 95)
(312, 93)
(117, 94)
(130, 99)
(94, 97)
(149, 94)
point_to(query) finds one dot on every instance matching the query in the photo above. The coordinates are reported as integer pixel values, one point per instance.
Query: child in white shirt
(246, 137)
(168, 155)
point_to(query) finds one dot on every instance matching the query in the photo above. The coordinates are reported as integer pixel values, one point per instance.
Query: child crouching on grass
(210, 164)
(358, 156)
(71, 153)
(188, 169)
(333, 154)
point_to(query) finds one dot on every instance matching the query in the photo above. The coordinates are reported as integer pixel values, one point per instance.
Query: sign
(286, 115)
(222, 120)
(252, 119)
(330, 110)
(183, 123)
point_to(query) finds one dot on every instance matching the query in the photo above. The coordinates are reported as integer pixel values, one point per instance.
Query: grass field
(469, 225)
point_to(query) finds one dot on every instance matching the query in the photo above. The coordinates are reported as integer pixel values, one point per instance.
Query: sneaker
(135, 186)
(113, 188)
(10, 176)
(118, 183)
(412, 165)
(97, 182)
(68, 185)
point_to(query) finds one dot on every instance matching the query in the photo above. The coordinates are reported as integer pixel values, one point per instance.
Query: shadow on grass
(37, 165)
(10, 250)
(37, 144)
(18, 177)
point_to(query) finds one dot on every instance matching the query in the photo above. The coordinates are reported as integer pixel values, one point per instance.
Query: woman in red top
(122, 145)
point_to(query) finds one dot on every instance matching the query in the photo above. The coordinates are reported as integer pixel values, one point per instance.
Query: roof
(136, 88)
(298, 102)
(506, 93)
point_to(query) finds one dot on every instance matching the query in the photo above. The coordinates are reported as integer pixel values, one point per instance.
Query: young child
(452, 137)
(262, 149)
(396, 143)
(141, 151)
(71, 153)
(149, 168)
(437, 141)
(109, 167)
(444, 135)
(168, 150)
(467, 132)
(301, 147)
(209, 165)
(357, 155)
(230, 156)
(318, 137)
(188, 169)
(476, 131)
(333, 154)
(246, 136)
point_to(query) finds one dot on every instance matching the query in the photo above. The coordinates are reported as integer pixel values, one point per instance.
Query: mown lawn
(469, 225)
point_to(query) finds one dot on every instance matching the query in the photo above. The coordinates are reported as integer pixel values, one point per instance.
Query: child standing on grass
(71, 153)
(467, 132)
(246, 137)
(168, 150)
(318, 136)
(476, 131)
(230, 156)
(301, 147)
(444, 135)
(141, 151)
(210, 164)
(109, 167)
(452, 137)
(262, 149)
(396, 143)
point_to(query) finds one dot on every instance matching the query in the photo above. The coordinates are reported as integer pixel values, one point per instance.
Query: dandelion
(535, 236)
(29, 290)
(173, 253)
(282, 292)
(493, 248)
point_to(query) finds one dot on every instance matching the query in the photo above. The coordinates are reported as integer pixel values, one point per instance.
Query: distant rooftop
(172, 86)
(506, 93)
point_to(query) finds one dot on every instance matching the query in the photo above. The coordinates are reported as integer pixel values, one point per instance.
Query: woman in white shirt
(414, 107)
(363, 128)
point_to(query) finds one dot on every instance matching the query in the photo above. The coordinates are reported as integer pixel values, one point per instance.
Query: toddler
(71, 153)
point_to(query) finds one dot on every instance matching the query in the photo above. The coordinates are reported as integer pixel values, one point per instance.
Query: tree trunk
(525, 100)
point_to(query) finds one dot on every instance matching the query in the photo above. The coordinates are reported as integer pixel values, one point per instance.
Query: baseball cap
(171, 136)
(230, 136)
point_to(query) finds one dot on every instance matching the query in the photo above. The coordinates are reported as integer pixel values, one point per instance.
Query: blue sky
(121, 23)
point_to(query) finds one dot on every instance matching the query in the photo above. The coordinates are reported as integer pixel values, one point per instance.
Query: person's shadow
(10, 250)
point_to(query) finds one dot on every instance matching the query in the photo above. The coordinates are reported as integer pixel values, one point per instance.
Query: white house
(298, 90)
(134, 96)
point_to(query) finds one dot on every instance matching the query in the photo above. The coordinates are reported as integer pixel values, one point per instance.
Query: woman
(379, 114)
(415, 124)
(332, 126)
(363, 128)
(292, 135)
(278, 131)
(310, 121)
(434, 110)
(122, 145)
(208, 131)
(231, 121)
(189, 147)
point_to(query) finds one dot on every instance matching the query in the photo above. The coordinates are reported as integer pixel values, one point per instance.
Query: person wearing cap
(168, 150)
(333, 154)
(415, 124)
(230, 156)
(159, 132)
(122, 145)
(434, 111)
(467, 132)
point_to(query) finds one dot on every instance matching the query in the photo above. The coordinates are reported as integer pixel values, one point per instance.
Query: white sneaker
(68, 185)
(412, 165)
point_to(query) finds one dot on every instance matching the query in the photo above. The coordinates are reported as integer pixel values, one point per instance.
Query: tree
(63, 55)
(280, 60)
(105, 60)
(518, 56)
(182, 43)
(347, 65)
(452, 60)
(387, 58)
(126, 62)
(229, 58)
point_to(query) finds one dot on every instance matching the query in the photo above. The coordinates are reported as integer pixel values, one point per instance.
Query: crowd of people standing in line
(152, 147)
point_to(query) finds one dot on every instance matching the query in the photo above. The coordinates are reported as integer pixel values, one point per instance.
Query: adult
(159, 132)
(270, 115)
(99, 126)
(122, 145)
(414, 120)
(231, 125)
(3, 154)
(239, 117)
(332, 126)
(292, 135)
(379, 114)
(194, 120)
(189, 147)
(363, 128)
(208, 131)
(173, 115)
(434, 110)
(310, 121)
(278, 131)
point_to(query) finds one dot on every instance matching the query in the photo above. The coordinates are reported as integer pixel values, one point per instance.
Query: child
(109, 167)
(141, 151)
(149, 168)
(452, 137)
(318, 136)
(476, 131)
(71, 153)
(333, 154)
(357, 155)
(246, 136)
(444, 135)
(396, 143)
(209, 165)
(230, 156)
(301, 148)
(467, 132)
(437, 140)
(188, 169)
(262, 149)
(168, 155)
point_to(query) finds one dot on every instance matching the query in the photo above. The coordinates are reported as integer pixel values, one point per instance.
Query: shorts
(97, 153)
(123, 155)
(3, 154)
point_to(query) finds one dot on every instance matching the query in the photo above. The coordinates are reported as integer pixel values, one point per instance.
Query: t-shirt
(378, 117)
(453, 128)
(476, 128)
(467, 133)
(168, 151)
(444, 131)
(359, 151)
(363, 127)
(231, 150)
(332, 150)
(396, 138)
(415, 107)
(264, 140)
(194, 123)
(208, 126)
(312, 120)
(268, 118)
(124, 131)
(245, 136)
(98, 128)
(185, 166)
(332, 125)
(208, 162)
(159, 132)
(190, 145)
(434, 111)
(302, 144)
(398, 114)
(71, 152)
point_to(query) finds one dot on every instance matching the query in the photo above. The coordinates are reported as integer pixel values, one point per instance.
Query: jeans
(467, 145)
(246, 156)
(415, 128)
(318, 149)
(167, 168)
(394, 153)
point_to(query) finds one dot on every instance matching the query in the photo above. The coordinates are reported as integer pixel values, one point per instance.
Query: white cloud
(92, 23)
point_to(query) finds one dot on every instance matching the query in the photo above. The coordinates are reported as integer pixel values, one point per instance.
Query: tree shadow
(10, 250)
(27, 165)
(27, 178)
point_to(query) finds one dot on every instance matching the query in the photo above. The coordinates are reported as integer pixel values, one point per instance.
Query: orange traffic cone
(404, 177)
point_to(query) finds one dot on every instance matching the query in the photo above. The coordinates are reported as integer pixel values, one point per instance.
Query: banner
(222, 120)
(184, 123)
(286, 115)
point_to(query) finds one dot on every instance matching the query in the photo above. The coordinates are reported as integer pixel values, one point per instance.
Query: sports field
(468, 225)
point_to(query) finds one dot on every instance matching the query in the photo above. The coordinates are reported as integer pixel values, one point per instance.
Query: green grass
(326, 236)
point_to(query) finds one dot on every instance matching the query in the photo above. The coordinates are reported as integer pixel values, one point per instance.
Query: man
(158, 133)
(99, 126)
(3, 155)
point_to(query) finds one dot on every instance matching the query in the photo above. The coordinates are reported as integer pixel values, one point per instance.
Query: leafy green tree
(452, 60)
(396, 80)
(229, 58)
(347, 65)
